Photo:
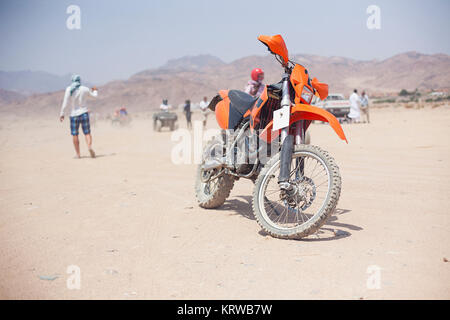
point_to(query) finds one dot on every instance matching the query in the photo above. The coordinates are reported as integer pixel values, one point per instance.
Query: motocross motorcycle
(297, 185)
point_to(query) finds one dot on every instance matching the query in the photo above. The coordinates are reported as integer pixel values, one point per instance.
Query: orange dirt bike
(297, 185)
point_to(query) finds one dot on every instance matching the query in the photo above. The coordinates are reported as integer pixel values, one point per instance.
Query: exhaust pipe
(211, 164)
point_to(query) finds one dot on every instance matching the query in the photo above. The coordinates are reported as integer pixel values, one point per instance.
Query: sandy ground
(130, 222)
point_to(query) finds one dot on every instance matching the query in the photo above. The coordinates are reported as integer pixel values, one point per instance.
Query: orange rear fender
(305, 112)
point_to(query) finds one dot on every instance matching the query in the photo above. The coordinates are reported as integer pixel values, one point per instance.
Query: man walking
(76, 95)
(187, 112)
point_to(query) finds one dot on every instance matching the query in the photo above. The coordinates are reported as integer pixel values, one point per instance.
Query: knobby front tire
(262, 206)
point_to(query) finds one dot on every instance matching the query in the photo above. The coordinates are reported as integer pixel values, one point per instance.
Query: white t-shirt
(204, 105)
(165, 107)
(77, 100)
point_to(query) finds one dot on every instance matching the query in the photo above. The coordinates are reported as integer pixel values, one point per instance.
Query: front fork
(287, 144)
(287, 148)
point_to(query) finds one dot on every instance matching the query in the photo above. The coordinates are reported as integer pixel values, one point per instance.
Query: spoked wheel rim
(312, 179)
(210, 186)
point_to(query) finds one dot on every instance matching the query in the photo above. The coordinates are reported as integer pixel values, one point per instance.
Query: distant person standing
(255, 86)
(165, 106)
(354, 114)
(187, 112)
(204, 110)
(76, 95)
(365, 107)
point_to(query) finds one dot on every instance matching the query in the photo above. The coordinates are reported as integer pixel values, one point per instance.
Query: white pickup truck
(336, 104)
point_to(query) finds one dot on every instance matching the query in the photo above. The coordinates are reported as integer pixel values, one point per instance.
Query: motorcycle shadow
(331, 230)
(239, 207)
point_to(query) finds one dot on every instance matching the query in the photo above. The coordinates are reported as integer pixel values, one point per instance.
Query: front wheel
(301, 212)
(157, 125)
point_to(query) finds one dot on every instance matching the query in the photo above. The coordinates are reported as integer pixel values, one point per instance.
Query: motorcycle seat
(231, 107)
(241, 101)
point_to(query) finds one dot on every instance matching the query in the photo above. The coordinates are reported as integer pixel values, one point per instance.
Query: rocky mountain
(10, 97)
(195, 77)
(29, 82)
(193, 63)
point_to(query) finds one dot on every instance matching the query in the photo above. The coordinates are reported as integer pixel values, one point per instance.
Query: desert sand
(129, 218)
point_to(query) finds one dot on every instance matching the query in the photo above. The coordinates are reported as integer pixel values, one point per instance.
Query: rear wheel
(212, 187)
(212, 194)
(317, 187)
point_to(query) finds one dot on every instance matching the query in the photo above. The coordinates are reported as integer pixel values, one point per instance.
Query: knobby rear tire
(218, 196)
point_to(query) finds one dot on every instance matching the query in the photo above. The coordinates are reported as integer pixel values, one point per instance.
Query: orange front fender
(305, 112)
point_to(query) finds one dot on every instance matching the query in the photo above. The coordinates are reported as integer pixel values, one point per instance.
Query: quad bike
(121, 120)
(297, 185)
(165, 119)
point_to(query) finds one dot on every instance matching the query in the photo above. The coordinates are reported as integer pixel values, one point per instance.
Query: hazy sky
(118, 37)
